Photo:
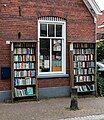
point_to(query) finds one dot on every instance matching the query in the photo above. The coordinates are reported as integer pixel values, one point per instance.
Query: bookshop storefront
(47, 51)
(50, 66)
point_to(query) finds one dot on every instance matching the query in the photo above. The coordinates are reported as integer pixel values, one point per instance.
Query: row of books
(20, 58)
(24, 73)
(82, 71)
(83, 57)
(23, 65)
(24, 92)
(24, 51)
(83, 45)
(56, 63)
(83, 64)
(83, 51)
(24, 44)
(85, 88)
(26, 81)
(84, 78)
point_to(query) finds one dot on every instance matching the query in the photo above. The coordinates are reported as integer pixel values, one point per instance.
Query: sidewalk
(53, 109)
(91, 117)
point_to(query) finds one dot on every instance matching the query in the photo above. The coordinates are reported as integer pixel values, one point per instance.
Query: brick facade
(22, 16)
(100, 31)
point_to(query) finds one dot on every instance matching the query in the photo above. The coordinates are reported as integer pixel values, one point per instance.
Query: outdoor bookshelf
(23, 64)
(84, 67)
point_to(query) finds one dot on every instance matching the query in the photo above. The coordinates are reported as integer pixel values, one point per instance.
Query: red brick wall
(54, 82)
(100, 21)
(80, 27)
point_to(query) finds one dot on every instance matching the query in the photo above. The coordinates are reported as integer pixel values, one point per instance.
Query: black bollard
(74, 102)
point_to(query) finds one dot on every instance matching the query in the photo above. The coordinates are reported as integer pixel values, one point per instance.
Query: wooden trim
(12, 73)
(71, 71)
(23, 41)
(92, 7)
(81, 42)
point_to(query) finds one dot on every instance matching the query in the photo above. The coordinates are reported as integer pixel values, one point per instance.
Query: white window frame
(63, 38)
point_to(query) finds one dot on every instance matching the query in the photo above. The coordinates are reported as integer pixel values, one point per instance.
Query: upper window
(52, 46)
(50, 30)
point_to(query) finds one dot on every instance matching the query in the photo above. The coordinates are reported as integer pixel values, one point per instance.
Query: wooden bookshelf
(84, 67)
(23, 64)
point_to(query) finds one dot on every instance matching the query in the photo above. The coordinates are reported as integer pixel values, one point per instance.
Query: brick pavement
(52, 109)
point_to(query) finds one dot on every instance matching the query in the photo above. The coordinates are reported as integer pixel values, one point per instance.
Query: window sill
(53, 76)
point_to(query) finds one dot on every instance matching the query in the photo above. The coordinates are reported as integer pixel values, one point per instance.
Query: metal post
(74, 102)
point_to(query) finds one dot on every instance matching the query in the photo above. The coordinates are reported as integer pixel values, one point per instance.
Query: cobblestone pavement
(53, 109)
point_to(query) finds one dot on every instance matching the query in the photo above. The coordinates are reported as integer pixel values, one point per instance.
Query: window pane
(43, 30)
(58, 30)
(44, 55)
(56, 55)
(51, 30)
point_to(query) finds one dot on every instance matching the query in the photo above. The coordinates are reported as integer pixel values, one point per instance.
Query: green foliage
(100, 51)
(100, 85)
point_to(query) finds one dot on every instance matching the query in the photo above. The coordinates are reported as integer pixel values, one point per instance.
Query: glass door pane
(51, 30)
(44, 55)
(56, 55)
(58, 30)
(43, 30)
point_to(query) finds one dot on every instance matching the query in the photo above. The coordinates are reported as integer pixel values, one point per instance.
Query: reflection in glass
(44, 55)
(43, 30)
(56, 55)
(58, 30)
(51, 30)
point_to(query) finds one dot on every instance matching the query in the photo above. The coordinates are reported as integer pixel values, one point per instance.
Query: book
(24, 51)
(16, 58)
(28, 80)
(18, 50)
(32, 51)
(33, 58)
(29, 50)
(88, 88)
(92, 87)
(27, 58)
(29, 91)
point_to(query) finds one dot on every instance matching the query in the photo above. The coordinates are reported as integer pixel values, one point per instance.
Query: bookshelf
(23, 64)
(84, 67)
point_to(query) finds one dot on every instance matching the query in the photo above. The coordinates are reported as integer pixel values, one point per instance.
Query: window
(51, 46)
